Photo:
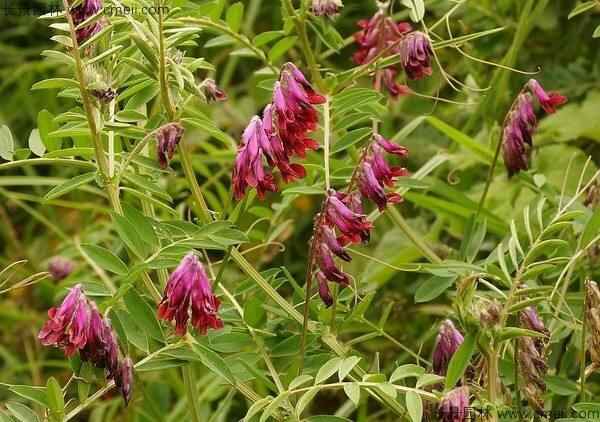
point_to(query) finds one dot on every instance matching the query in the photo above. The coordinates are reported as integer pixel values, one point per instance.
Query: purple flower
(249, 169)
(548, 100)
(448, 341)
(324, 292)
(327, 8)
(390, 147)
(101, 348)
(189, 287)
(354, 227)
(517, 135)
(371, 187)
(60, 267)
(212, 91)
(415, 53)
(68, 325)
(521, 123)
(530, 319)
(454, 406)
(124, 379)
(330, 239)
(328, 267)
(81, 13)
(78, 325)
(592, 316)
(380, 36)
(167, 139)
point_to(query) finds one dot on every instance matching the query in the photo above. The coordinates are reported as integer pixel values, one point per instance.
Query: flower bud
(448, 341)
(167, 139)
(60, 267)
(329, 8)
(212, 91)
(454, 406)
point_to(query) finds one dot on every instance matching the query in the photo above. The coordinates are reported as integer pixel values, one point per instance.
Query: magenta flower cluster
(521, 123)
(188, 291)
(77, 325)
(454, 406)
(281, 134)
(382, 37)
(85, 10)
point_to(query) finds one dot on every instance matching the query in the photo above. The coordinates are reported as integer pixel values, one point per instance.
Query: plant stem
(190, 388)
(583, 347)
(492, 381)
(162, 68)
(412, 236)
(326, 140)
(490, 176)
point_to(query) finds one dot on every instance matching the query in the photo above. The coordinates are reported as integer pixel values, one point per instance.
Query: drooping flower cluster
(448, 341)
(381, 37)
(454, 406)
(592, 316)
(376, 173)
(531, 355)
(77, 325)
(167, 139)
(341, 212)
(60, 267)
(521, 123)
(82, 12)
(281, 134)
(327, 8)
(188, 291)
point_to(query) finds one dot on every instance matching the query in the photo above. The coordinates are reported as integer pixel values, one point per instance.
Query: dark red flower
(329, 268)
(101, 348)
(548, 100)
(354, 227)
(324, 292)
(521, 122)
(68, 325)
(415, 53)
(188, 289)
(167, 139)
(124, 379)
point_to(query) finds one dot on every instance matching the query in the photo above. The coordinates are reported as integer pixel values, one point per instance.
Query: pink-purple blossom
(167, 139)
(415, 53)
(212, 92)
(454, 406)
(85, 10)
(189, 291)
(521, 122)
(448, 341)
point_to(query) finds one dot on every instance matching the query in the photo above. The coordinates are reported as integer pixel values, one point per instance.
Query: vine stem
(190, 388)
(490, 176)
(397, 218)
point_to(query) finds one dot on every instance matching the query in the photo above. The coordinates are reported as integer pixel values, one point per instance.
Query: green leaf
(257, 407)
(105, 259)
(35, 143)
(306, 399)
(142, 224)
(7, 143)
(326, 418)
(230, 342)
(460, 360)
(417, 12)
(561, 386)
(143, 315)
(347, 365)
(130, 116)
(350, 139)
(129, 235)
(406, 371)
(512, 332)
(281, 47)
(70, 185)
(432, 288)
(46, 124)
(299, 381)
(482, 152)
(213, 362)
(266, 37)
(56, 401)
(582, 7)
(22, 412)
(328, 369)
(596, 33)
(131, 330)
(591, 229)
(56, 83)
(234, 16)
(353, 392)
(414, 405)
(36, 394)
